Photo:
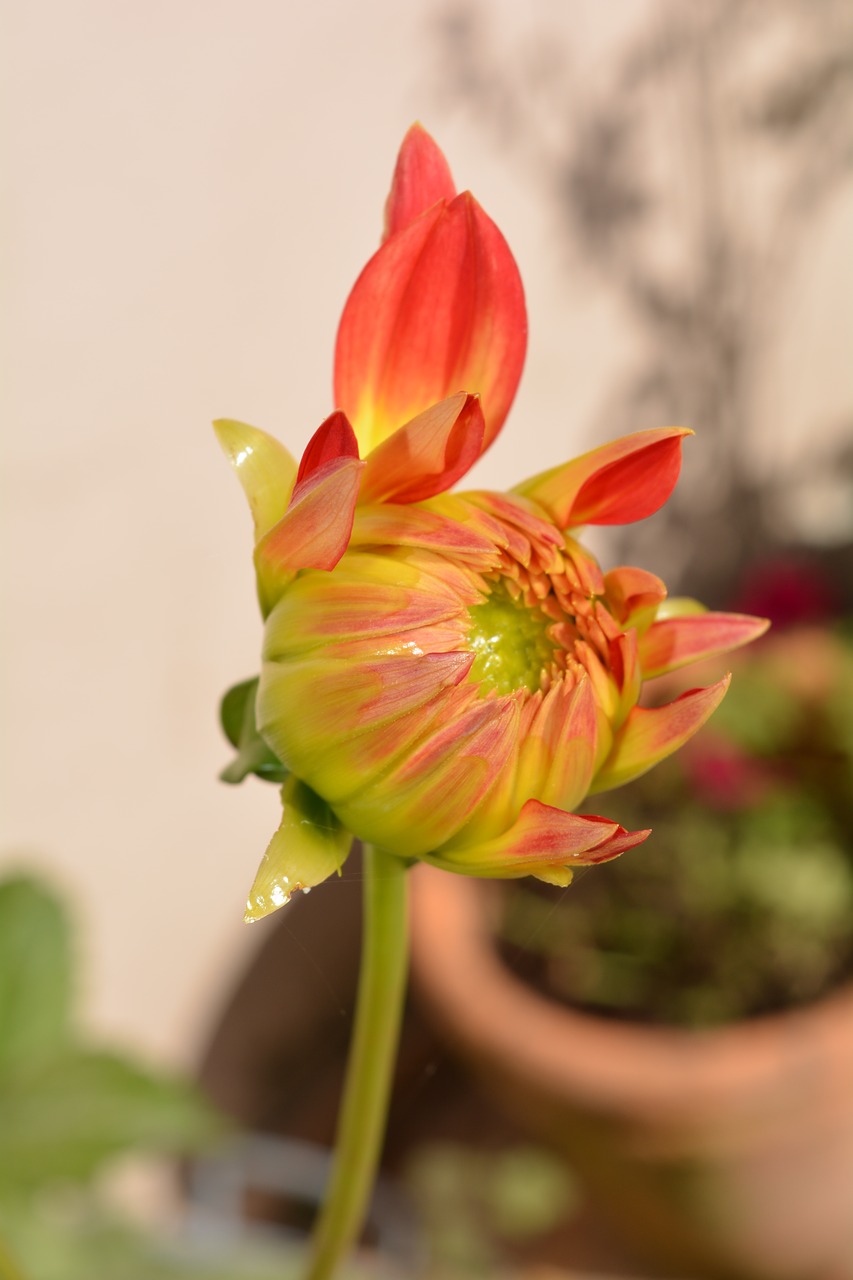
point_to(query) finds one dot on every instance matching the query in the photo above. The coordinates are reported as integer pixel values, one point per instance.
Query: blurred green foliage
(474, 1203)
(68, 1109)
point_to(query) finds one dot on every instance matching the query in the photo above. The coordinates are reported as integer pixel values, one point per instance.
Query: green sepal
(310, 845)
(237, 715)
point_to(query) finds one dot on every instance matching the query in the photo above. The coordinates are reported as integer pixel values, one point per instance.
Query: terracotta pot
(724, 1153)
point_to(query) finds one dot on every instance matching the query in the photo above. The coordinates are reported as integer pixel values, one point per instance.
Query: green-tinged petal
(435, 786)
(650, 734)
(314, 531)
(309, 845)
(676, 642)
(544, 842)
(264, 468)
(312, 707)
(680, 607)
(237, 714)
(557, 747)
(368, 596)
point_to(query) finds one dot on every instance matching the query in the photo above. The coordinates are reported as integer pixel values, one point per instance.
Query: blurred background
(189, 192)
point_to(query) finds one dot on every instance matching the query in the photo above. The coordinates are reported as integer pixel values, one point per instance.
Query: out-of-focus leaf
(62, 1120)
(79, 1244)
(237, 714)
(35, 973)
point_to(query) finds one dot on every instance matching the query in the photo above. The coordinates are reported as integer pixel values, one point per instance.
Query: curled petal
(650, 734)
(633, 596)
(421, 178)
(314, 531)
(309, 845)
(544, 842)
(675, 642)
(264, 468)
(620, 482)
(428, 454)
(332, 440)
(439, 309)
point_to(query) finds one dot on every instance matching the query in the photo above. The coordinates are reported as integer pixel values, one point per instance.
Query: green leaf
(62, 1120)
(35, 973)
(237, 714)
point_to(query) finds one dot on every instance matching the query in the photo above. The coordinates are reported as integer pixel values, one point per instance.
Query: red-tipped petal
(675, 642)
(650, 734)
(428, 454)
(439, 309)
(421, 178)
(625, 480)
(333, 439)
(314, 531)
(544, 842)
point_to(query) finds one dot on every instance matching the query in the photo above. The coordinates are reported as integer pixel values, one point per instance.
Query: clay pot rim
(607, 1064)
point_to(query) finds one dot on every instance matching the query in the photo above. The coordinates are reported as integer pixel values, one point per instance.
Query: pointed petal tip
(439, 308)
(265, 468)
(421, 179)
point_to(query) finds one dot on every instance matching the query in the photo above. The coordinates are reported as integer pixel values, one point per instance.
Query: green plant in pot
(682, 1024)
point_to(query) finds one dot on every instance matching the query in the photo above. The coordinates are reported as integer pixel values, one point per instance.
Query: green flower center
(511, 643)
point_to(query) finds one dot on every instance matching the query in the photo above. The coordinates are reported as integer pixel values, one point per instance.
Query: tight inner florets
(511, 640)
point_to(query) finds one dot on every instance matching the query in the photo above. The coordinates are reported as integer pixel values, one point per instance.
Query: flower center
(511, 642)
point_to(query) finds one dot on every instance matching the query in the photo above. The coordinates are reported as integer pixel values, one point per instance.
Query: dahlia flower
(448, 676)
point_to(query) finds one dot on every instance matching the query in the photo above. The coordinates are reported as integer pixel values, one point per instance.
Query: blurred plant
(687, 180)
(742, 903)
(68, 1109)
(474, 1202)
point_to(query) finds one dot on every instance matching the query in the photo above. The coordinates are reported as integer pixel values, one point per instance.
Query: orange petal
(314, 531)
(333, 439)
(650, 734)
(675, 642)
(421, 178)
(439, 309)
(633, 595)
(428, 454)
(544, 842)
(625, 480)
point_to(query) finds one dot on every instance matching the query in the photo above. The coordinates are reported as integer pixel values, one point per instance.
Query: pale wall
(193, 188)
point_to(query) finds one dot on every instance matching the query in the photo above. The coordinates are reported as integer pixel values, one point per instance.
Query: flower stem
(370, 1068)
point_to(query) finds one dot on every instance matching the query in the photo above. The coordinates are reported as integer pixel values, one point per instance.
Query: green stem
(370, 1068)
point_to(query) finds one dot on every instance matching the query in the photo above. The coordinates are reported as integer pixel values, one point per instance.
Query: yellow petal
(309, 845)
(264, 468)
